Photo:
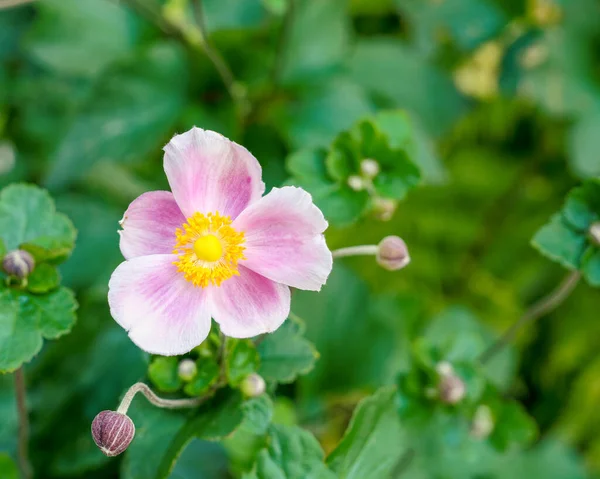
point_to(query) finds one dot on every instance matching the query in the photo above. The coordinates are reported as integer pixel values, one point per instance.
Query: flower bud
(187, 369)
(595, 233)
(112, 432)
(18, 263)
(392, 253)
(253, 385)
(369, 168)
(384, 208)
(356, 183)
(483, 422)
(451, 388)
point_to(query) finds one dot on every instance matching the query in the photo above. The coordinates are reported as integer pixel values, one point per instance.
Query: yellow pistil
(208, 249)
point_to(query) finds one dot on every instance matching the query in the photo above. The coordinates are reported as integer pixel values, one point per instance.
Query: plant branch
(158, 401)
(23, 446)
(536, 311)
(363, 250)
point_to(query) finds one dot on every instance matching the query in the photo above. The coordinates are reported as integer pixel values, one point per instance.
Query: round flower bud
(253, 385)
(392, 253)
(112, 432)
(483, 422)
(356, 183)
(18, 263)
(451, 389)
(369, 168)
(187, 369)
(384, 208)
(595, 233)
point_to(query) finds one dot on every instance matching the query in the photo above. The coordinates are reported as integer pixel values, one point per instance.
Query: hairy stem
(23, 446)
(536, 311)
(363, 250)
(158, 401)
(13, 3)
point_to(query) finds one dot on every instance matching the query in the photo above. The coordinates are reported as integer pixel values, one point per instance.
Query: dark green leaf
(163, 372)
(512, 426)
(258, 412)
(241, 360)
(207, 374)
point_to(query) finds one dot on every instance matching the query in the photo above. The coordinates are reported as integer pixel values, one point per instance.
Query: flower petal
(163, 313)
(250, 304)
(209, 173)
(149, 225)
(284, 240)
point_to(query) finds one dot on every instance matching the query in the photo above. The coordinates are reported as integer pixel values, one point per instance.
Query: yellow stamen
(208, 249)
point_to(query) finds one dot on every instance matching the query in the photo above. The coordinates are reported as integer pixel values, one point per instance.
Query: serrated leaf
(560, 242)
(293, 453)
(43, 278)
(29, 219)
(26, 319)
(590, 266)
(285, 354)
(163, 372)
(582, 206)
(512, 426)
(207, 374)
(241, 359)
(258, 412)
(374, 441)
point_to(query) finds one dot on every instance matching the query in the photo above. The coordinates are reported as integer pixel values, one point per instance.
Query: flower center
(208, 249)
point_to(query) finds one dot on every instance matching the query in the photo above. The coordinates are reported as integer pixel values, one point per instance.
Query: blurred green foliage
(498, 105)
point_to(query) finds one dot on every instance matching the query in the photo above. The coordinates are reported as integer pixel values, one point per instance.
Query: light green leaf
(129, 114)
(590, 266)
(163, 372)
(285, 354)
(7, 467)
(241, 359)
(374, 441)
(43, 278)
(584, 145)
(80, 37)
(29, 219)
(26, 319)
(560, 242)
(293, 453)
(206, 375)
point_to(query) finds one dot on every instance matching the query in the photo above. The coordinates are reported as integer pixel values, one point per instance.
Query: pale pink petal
(163, 313)
(250, 304)
(149, 225)
(209, 173)
(284, 239)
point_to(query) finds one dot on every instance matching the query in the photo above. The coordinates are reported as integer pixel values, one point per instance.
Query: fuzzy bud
(253, 385)
(112, 432)
(18, 263)
(595, 233)
(187, 369)
(369, 168)
(483, 422)
(356, 183)
(392, 253)
(384, 208)
(451, 388)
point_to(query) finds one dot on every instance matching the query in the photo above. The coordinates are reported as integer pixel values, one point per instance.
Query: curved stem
(536, 311)
(363, 250)
(13, 3)
(157, 401)
(23, 447)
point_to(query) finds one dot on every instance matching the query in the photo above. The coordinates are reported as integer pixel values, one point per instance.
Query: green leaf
(590, 266)
(163, 372)
(258, 412)
(44, 278)
(582, 207)
(26, 319)
(512, 426)
(583, 144)
(285, 354)
(161, 435)
(129, 114)
(241, 359)
(207, 374)
(80, 37)
(29, 219)
(8, 467)
(293, 453)
(3, 249)
(374, 441)
(560, 242)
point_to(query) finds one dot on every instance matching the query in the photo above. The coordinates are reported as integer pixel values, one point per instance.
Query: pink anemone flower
(214, 248)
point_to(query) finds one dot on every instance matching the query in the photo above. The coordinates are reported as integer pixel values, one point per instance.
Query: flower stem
(13, 3)
(363, 250)
(23, 454)
(158, 401)
(536, 311)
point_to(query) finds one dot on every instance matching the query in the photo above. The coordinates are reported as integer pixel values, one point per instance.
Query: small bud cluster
(369, 169)
(451, 388)
(392, 253)
(112, 432)
(18, 263)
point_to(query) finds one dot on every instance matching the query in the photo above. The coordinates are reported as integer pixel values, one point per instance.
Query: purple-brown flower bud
(18, 263)
(253, 385)
(595, 233)
(392, 253)
(112, 432)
